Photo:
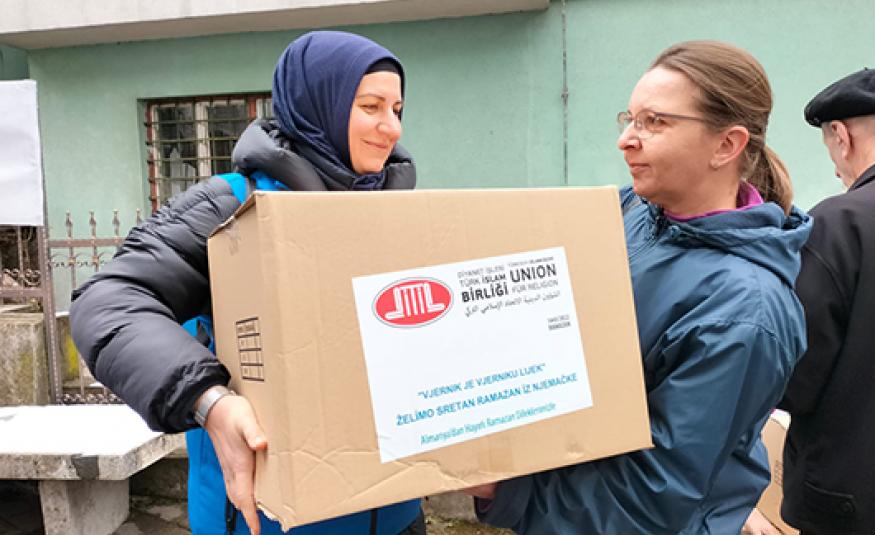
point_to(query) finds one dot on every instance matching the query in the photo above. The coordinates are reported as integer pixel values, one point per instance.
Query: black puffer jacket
(126, 319)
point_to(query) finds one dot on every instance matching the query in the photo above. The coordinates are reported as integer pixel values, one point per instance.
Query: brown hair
(735, 91)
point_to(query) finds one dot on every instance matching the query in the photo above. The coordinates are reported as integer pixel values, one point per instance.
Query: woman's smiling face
(374, 121)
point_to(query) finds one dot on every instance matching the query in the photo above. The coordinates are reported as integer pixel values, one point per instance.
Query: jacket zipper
(230, 517)
(373, 522)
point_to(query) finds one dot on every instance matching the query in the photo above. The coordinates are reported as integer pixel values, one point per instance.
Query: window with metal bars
(190, 139)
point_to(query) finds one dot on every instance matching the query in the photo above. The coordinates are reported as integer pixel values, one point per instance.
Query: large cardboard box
(774, 434)
(399, 344)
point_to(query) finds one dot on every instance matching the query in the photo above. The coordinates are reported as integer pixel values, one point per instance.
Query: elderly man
(829, 472)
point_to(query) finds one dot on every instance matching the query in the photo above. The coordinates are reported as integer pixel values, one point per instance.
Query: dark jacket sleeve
(824, 286)
(724, 378)
(125, 320)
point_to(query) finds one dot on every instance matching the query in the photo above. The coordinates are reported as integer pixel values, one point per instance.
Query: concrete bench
(82, 456)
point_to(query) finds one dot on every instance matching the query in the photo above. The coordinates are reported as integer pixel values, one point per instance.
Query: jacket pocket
(835, 504)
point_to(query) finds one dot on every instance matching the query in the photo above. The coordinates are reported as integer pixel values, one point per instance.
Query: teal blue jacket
(720, 330)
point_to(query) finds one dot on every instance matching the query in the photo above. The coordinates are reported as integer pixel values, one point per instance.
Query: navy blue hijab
(314, 86)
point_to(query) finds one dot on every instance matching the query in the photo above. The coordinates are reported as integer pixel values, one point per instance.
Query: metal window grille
(191, 139)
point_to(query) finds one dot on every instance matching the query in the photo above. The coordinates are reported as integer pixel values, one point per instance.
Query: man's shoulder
(844, 226)
(848, 206)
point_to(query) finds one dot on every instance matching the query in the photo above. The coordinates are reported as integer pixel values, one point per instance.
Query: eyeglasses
(648, 122)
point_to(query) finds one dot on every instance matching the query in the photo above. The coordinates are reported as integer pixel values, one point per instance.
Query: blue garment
(206, 503)
(206, 487)
(720, 330)
(314, 86)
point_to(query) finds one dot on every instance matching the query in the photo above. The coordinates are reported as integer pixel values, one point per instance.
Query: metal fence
(19, 265)
(29, 261)
(71, 256)
(25, 277)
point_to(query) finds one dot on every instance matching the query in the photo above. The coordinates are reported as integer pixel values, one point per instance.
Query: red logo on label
(413, 302)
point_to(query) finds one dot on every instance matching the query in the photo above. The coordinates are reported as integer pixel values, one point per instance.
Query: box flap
(249, 203)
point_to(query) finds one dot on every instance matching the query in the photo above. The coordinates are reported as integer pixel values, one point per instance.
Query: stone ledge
(82, 442)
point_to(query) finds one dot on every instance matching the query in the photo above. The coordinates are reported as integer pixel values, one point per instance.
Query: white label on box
(459, 351)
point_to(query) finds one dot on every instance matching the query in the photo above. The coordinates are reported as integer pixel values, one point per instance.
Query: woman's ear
(732, 144)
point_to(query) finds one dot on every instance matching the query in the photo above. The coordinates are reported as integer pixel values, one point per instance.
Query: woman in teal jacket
(713, 246)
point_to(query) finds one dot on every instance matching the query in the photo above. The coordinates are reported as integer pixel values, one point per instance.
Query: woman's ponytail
(770, 177)
(735, 91)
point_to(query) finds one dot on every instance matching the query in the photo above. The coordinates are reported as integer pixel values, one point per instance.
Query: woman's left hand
(757, 524)
(486, 492)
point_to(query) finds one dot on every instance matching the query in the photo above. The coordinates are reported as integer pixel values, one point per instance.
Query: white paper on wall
(21, 183)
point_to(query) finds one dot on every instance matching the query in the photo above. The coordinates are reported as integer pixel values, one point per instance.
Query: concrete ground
(155, 516)
(151, 516)
(20, 512)
(441, 526)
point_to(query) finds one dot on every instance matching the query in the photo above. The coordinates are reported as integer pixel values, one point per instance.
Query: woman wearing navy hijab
(337, 101)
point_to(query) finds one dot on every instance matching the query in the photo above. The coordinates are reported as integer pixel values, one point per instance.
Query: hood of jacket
(263, 147)
(761, 234)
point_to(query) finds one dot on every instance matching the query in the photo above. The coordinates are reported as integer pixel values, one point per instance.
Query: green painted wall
(803, 44)
(476, 112)
(484, 105)
(13, 63)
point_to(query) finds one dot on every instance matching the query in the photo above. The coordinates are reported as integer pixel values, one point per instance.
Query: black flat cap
(852, 96)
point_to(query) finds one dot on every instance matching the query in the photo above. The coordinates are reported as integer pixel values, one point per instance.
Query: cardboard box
(774, 433)
(399, 344)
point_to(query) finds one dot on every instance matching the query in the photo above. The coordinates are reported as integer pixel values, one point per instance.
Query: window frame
(161, 188)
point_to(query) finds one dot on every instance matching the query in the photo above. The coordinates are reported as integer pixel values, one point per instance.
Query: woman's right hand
(236, 437)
